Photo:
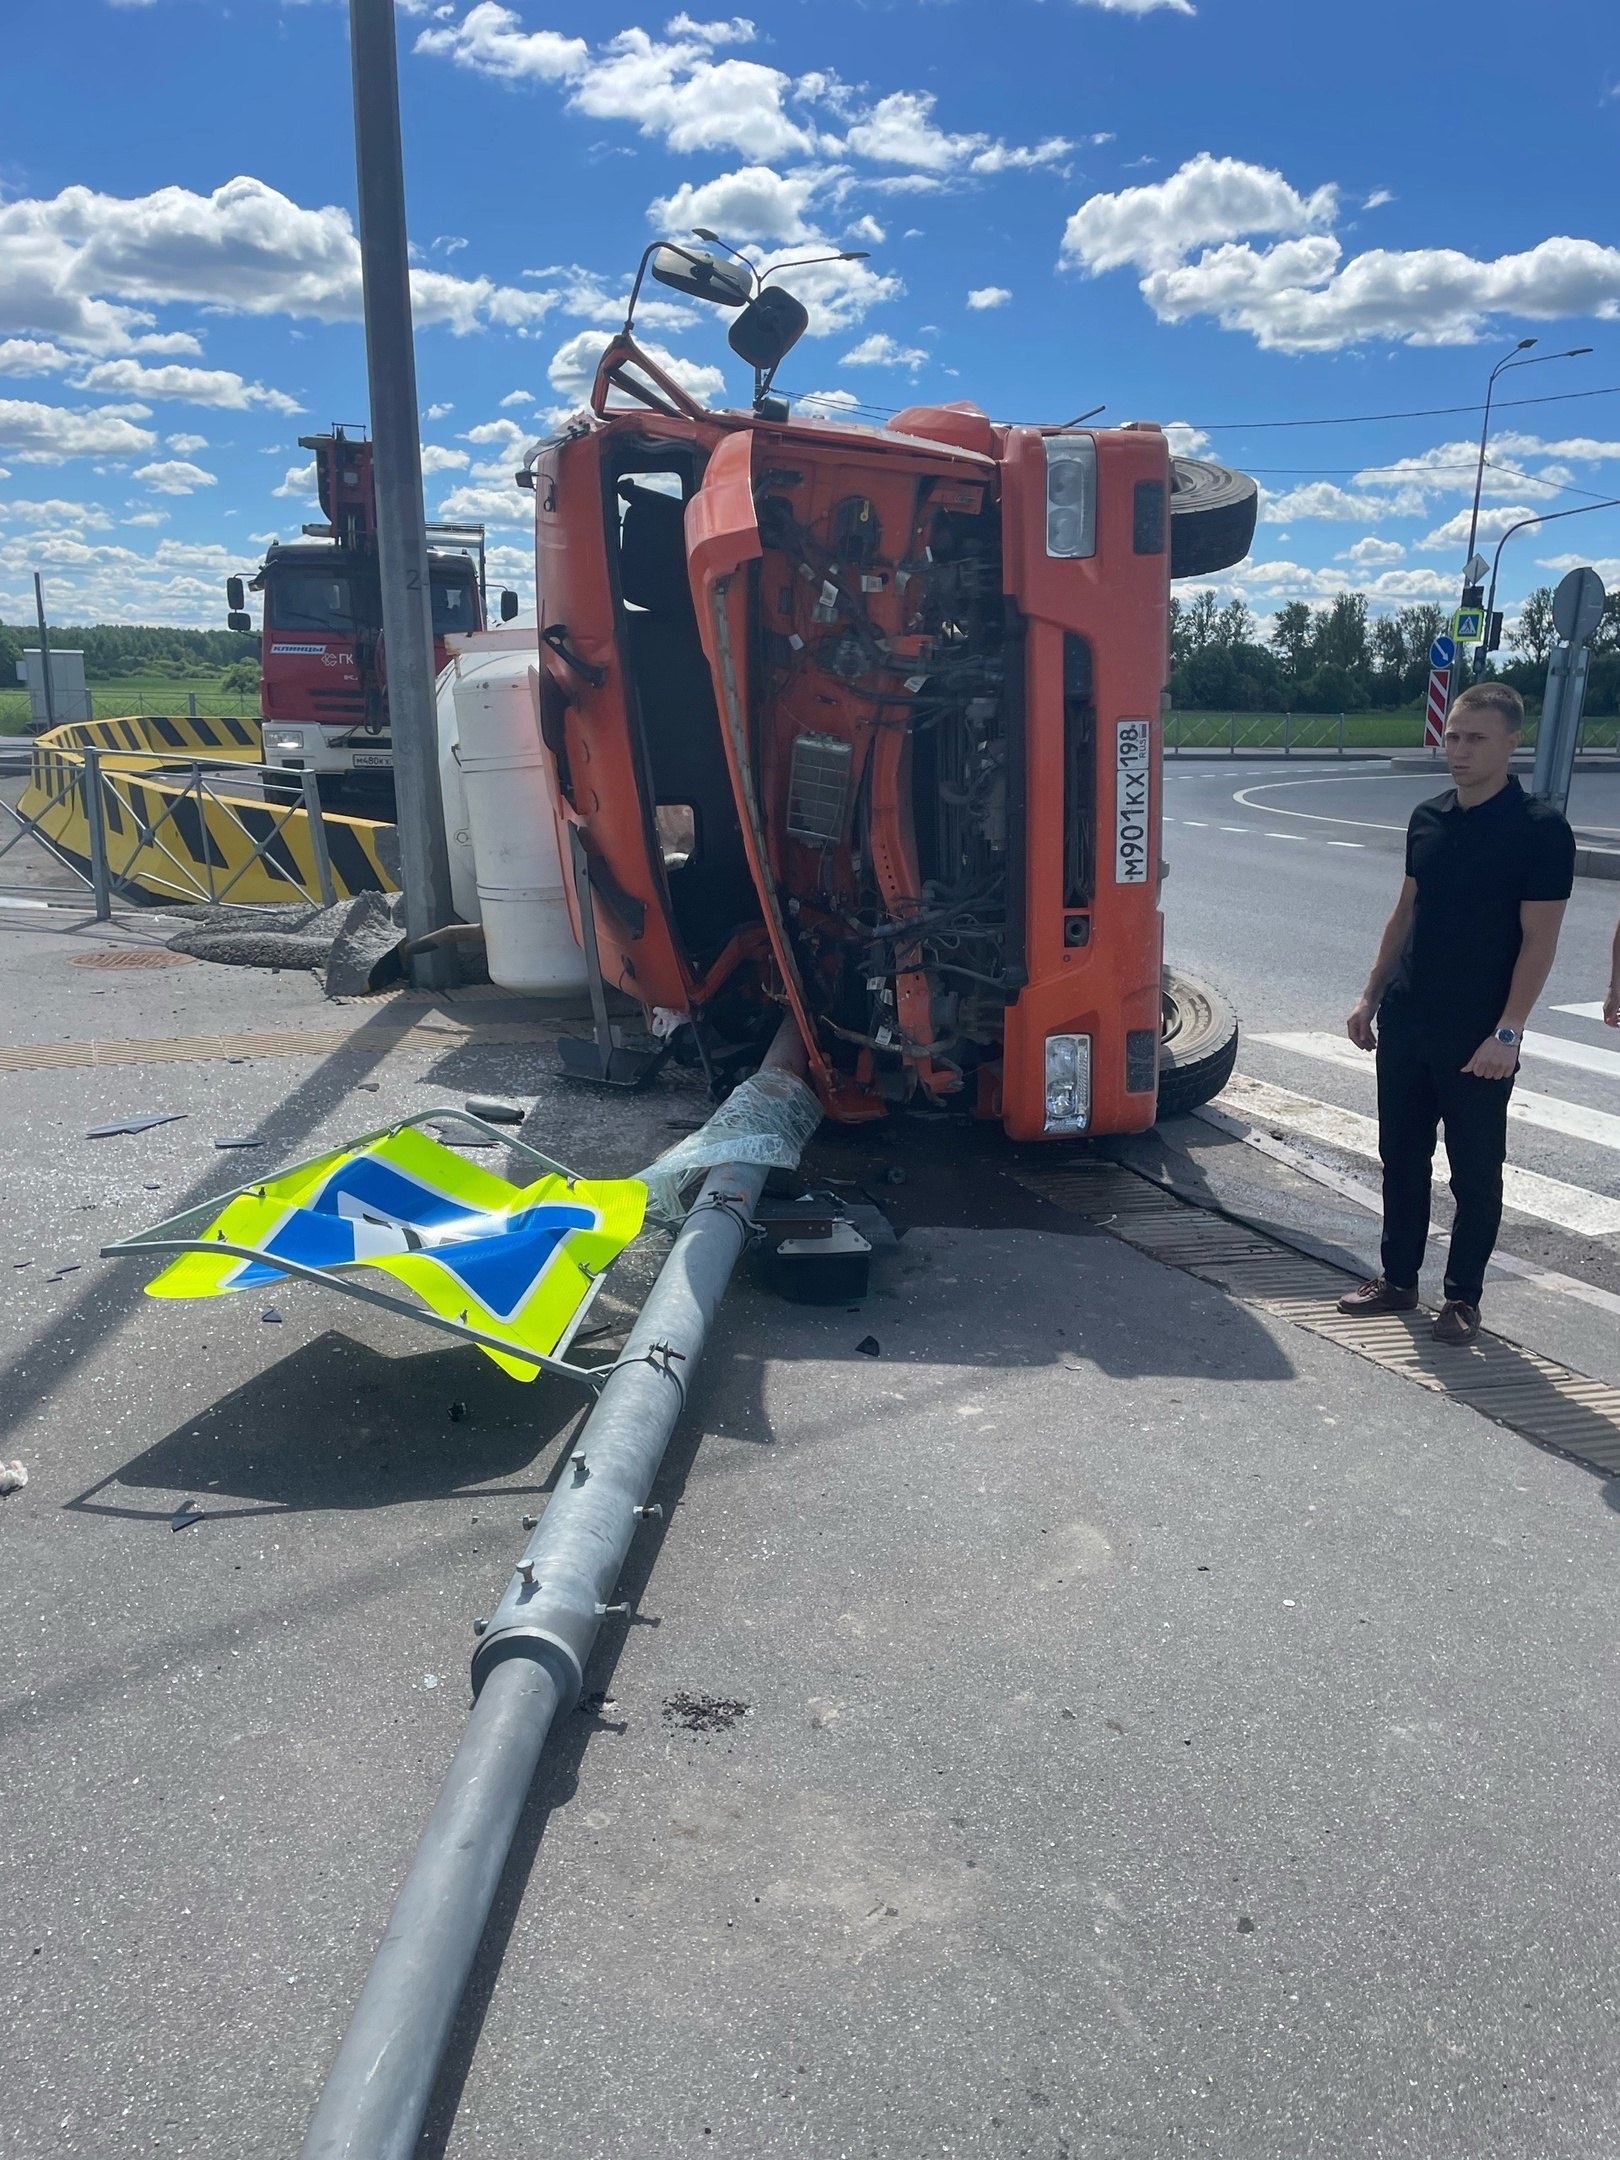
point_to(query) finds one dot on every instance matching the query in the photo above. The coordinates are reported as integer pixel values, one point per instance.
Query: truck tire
(1197, 1047)
(1212, 514)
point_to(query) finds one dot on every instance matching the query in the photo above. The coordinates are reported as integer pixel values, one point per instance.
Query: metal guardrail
(1333, 734)
(164, 824)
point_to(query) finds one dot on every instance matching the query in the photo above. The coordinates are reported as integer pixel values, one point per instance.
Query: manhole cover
(132, 956)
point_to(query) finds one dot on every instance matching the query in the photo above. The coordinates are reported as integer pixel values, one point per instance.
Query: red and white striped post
(1439, 703)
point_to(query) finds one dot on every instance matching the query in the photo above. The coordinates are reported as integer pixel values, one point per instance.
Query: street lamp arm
(1508, 360)
(1548, 517)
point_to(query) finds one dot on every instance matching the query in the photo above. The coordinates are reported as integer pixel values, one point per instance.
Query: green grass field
(140, 694)
(1319, 732)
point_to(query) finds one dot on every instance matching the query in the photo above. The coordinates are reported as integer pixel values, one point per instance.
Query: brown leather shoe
(1378, 1296)
(1456, 1322)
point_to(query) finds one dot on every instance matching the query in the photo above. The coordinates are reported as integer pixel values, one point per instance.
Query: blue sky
(1210, 212)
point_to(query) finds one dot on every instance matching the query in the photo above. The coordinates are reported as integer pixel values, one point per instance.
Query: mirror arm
(647, 255)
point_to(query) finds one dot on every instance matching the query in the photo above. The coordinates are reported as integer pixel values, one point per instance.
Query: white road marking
(1549, 1200)
(1583, 1056)
(1242, 795)
(1287, 836)
(1365, 1196)
(1199, 824)
(1237, 828)
(1525, 1106)
(1345, 843)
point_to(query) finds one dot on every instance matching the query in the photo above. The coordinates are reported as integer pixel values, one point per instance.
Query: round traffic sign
(1577, 607)
(1442, 652)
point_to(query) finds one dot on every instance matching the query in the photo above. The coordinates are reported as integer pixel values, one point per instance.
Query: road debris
(135, 1124)
(493, 1113)
(13, 1477)
(702, 1713)
(869, 1346)
(187, 1513)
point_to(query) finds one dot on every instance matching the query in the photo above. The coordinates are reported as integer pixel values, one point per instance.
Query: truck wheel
(283, 788)
(1212, 514)
(1197, 1047)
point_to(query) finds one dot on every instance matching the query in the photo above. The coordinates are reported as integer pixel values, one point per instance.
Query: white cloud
(436, 458)
(673, 87)
(900, 129)
(186, 443)
(1300, 294)
(988, 296)
(175, 477)
(573, 369)
(1208, 199)
(299, 483)
(1582, 449)
(1296, 581)
(489, 504)
(45, 434)
(1494, 520)
(55, 511)
(438, 412)
(1186, 440)
(1606, 566)
(518, 397)
(505, 432)
(86, 268)
(827, 402)
(1369, 551)
(754, 203)
(881, 350)
(866, 227)
(1141, 7)
(147, 517)
(1377, 199)
(1326, 499)
(191, 385)
(33, 356)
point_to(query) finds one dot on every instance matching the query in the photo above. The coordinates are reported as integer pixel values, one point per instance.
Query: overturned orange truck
(864, 722)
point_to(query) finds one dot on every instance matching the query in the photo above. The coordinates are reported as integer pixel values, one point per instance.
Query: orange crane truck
(864, 722)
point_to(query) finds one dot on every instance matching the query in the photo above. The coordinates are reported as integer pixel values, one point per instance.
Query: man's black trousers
(1421, 1086)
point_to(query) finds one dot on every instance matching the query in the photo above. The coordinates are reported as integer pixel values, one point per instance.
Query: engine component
(818, 788)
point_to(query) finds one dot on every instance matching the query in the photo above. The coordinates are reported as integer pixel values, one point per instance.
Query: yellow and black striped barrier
(176, 834)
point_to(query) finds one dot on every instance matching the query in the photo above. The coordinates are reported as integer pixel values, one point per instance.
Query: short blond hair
(1497, 697)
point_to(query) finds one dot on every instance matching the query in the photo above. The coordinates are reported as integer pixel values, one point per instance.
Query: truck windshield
(312, 600)
(455, 606)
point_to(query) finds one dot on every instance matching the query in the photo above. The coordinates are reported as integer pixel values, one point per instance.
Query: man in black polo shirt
(1462, 961)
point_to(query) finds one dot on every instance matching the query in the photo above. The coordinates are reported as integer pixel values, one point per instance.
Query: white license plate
(374, 757)
(1133, 781)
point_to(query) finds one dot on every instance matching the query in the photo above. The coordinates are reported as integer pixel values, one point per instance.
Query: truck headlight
(285, 743)
(1068, 1083)
(1071, 494)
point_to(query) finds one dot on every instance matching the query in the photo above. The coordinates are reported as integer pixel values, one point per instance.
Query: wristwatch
(1507, 1035)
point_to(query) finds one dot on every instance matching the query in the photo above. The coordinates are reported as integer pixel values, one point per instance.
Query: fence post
(1288, 734)
(1341, 734)
(91, 783)
(191, 704)
(317, 838)
(1231, 745)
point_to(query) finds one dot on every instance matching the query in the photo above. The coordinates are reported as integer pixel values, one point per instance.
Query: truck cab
(865, 723)
(324, 695)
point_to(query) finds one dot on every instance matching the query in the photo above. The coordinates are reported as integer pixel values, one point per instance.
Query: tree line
(113, 652)
(1339, 658)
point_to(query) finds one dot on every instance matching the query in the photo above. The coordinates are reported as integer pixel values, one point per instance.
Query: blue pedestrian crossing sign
(1468, 625)
(1442, 652)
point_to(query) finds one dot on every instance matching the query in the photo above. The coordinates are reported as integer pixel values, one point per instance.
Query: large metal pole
(529, 1668)
(407, 608)
(44, 654)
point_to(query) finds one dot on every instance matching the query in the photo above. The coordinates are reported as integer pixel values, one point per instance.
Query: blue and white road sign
(1442, 652)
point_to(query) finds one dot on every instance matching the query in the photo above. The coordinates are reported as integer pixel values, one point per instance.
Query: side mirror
(509, 606)
(236, 620)
(701, 277)
(768, 328)
(235, 598)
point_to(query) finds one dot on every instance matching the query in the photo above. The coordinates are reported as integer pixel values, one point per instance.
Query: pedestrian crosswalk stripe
(1549, 1200)
(1581, 1055)
(1526, 1106)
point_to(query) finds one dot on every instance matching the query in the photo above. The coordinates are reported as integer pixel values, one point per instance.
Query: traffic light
(1493, 632)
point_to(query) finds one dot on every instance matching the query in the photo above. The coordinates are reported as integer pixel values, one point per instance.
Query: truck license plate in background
(374, 757)
(1132, 770)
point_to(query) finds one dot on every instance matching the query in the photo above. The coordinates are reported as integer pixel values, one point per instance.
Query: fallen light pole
(528, 1670)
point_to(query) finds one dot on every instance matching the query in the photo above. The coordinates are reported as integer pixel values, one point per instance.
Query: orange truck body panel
(848, 596)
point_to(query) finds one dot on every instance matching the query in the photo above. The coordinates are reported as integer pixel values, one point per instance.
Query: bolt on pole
(407, 609)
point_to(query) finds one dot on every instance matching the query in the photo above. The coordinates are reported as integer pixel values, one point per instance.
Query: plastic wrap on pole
(766, 1122)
